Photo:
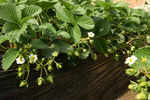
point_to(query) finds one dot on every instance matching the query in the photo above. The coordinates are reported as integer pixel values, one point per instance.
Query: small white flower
(20, 60)
(33, 58)
(131, 60)
(91, 34)
(55, 54)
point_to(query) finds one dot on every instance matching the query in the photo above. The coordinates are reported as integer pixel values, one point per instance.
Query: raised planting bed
(104, 79)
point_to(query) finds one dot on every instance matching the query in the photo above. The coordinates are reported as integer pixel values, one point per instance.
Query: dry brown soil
(128, 96)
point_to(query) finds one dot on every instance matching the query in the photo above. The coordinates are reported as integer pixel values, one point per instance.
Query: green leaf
(106, 5)
(2, 39)
(138, 12)
(145, 53)
(63, 34)
(100, 45)
(14, 35)
(31, 11)
(3, 1)
(22, 1)
(9, 57)
(102, 27)
(80, 11)
(9, 12)
(49, 27)
(120, 38)
(65, 15)
(133, 20)
(57, 46)
(38, 44)
(76, 33)
(85, 22)
(9, 26)
(121, 4)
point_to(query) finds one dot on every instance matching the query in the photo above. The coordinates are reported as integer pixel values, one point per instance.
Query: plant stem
(2, 50)
(28, 72)
(2, 46)
(45, 71)
(41, 24)
(41, 72)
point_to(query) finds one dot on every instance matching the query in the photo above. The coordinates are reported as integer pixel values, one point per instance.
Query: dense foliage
(42, 33)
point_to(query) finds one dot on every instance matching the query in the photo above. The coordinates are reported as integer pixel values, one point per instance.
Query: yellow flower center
(144, 60)
(130, 60)
(32, 57)
(91, 34)
(20, 59)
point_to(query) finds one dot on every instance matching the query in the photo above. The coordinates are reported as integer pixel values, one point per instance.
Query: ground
(128, 96)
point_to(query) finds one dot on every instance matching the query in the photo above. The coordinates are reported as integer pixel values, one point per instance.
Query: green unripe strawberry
(132, 48)
(110, 51)
(23, 83)
(91, 42)
(115, 48)
(124, 52)
(50, 78)
(20, 74)
(128, 52)
(141, 96)
(50, 68)
(131, 71)
(19, 69)
(76, 53)
(40, 81)
(94, 56)
(84, 50)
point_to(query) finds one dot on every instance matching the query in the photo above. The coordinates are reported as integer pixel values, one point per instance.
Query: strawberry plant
(42, 33)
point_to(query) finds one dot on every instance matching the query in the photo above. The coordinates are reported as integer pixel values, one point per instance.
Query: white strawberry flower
(33, 58)
(91, 34)
(20, 60)
(131, 60)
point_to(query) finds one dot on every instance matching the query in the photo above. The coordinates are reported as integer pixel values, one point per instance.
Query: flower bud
(84, 50)
(132, 48)
(130, 87)
(50, 78)
(20, 74)
(50, 68)
(40, 80)
(76, 53)
(19, 69)
(58, 65)
(23, 83)
(94, 56)
(91, 42)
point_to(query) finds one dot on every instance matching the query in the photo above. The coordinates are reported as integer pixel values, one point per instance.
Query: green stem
(2, 46)
(28, 72)
(41, 72)
(41, 24)
(81, 40)
(45, 71)
(2, 50)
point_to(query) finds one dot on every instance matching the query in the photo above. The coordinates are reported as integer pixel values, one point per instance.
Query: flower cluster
(32, 59)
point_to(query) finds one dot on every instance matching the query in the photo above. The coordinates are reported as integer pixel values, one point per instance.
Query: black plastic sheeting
(103, 79)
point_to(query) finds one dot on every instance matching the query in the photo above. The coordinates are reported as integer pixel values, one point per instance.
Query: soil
(128, 96)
